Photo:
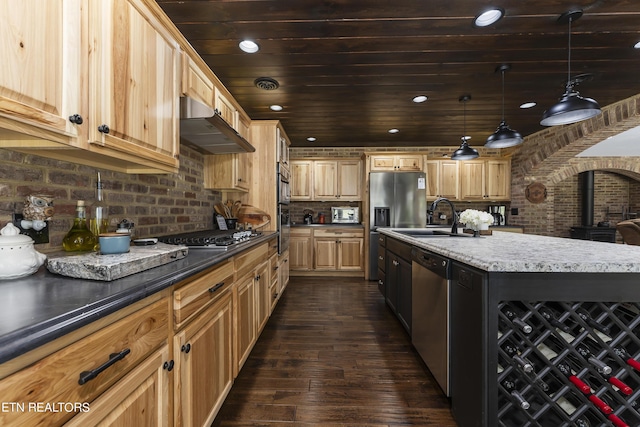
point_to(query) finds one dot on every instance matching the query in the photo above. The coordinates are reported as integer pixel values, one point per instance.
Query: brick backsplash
(156, 204)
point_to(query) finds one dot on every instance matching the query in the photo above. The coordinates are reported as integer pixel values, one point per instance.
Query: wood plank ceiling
(348, 69)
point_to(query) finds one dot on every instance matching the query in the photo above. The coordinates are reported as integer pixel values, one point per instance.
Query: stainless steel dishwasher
(430, 312)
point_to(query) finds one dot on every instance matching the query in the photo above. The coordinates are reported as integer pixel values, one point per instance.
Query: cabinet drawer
(56, 377)
(338, 233)
(301, 231)
(251, 259)
(273, 263)
(191, 299)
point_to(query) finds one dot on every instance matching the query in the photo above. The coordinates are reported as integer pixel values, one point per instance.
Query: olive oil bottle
(79, 238)
(98, 214)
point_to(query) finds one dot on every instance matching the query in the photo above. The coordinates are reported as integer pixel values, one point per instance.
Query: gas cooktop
(210, 239)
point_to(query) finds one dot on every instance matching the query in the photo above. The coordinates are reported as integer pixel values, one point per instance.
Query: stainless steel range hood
(203, 128)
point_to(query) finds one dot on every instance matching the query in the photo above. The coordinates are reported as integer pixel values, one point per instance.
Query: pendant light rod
(503, 68)
(464, 99)
(569, 17)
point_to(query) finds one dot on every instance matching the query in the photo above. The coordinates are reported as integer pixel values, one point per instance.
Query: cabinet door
(350, 254)
(204, 365)
(301, 179)
(263, 297)
(448, 179)
(140, 399)
(245, 320)
(325, 253)
(472, 180)
(403, 281)
(300, 253)
(382, 162)
(498, 179)
(40, 82)
(350, 180)
(325, 180)
(432, 169)
(391, 275)
(228, 172)
(409, 162)
(283, 272)
(195, 83)
(227, 110)
(134, 85)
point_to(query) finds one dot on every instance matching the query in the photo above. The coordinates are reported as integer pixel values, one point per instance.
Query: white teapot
(18, 257)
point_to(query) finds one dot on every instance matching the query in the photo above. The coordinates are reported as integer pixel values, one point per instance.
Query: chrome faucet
(432, 208)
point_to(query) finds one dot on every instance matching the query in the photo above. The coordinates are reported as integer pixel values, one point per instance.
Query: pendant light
(503, 137)
(465, 152)
(572, 107)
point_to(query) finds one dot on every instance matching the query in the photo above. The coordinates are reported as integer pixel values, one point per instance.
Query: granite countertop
(515, 252)
(44, 306)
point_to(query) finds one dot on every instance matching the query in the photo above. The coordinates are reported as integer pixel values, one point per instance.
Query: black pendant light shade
(572, 107)
(465, 152)
(504, 136)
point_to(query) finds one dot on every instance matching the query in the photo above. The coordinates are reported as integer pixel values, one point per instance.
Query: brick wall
(548, 157)
(157, 204)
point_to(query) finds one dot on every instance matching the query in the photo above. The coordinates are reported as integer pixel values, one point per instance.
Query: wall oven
(284, 197)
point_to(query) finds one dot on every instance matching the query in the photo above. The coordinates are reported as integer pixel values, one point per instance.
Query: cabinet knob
(186, 348)
(76, 119)
(103, 129)
(168, 365)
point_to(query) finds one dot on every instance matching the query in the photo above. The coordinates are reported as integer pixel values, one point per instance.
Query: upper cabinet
(283, 148)
(228, 172)
(326, 180)
(227, 109)
(469, 180)
(396, 162)
(101, 77)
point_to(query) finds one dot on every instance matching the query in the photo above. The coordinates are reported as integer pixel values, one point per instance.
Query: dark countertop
(37, 309)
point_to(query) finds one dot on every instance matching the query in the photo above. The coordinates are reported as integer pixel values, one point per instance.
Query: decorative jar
(18, 256)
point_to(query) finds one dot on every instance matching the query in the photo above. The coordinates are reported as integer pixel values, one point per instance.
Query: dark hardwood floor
(332, 354)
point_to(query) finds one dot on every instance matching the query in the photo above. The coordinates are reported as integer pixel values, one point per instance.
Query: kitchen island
(530, 314)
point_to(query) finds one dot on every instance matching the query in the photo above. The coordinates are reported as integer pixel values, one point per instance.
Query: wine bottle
(99, 213)
(600, 365)
(510, 386)
(79, 237)
(580, 385)
(617, 421)
(513, 351)
(584, 315)
(600, 404)
(516, 320)
(623, 354)
(551, 318)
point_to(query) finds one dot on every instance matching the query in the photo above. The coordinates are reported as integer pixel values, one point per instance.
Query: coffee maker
(499, 213)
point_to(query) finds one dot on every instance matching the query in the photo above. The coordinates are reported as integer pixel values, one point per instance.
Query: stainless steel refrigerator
(396, 199)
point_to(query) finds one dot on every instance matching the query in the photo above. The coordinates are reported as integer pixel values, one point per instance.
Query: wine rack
(568, 364)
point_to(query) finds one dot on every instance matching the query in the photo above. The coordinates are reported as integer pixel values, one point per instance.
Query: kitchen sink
(422, 232)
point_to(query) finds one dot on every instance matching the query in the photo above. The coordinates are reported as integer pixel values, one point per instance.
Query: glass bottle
(79, 238)
(98, 214)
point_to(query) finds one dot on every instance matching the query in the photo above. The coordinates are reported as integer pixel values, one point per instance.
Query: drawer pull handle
(86, 376)
(168, 365)
(186, 348)
(216, 287)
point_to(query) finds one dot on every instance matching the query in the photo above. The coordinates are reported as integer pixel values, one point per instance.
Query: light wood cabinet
(301, 249)
(283, 274)
(263, 296)
(195, 82)
(283, 148)
(204, 364)
(469, 180)
(227, 109)
(113, 71)
(141, 398)
(442, 179)
(71, 374)
(326, 249)
(396, 162)
(228, 172)
(301, 179)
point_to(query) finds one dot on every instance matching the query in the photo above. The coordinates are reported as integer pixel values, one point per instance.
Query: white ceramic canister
(18, 256)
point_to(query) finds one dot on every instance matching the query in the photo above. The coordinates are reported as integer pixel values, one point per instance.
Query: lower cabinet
(203, 357)
(398, 280)
(141, 398)
(245, 320)
(327, 249)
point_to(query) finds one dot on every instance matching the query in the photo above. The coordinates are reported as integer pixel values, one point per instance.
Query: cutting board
(254, 216)
(111, 267)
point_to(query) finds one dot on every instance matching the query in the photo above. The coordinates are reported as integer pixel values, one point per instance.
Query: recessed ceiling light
(393, 130)
(529, 104)
(249, 46)
(311, 139)
(420, 98)
(276, 107)
(637, 45)
(488, 17)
